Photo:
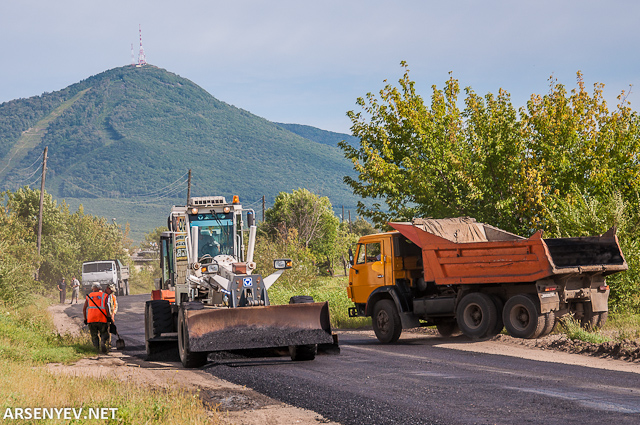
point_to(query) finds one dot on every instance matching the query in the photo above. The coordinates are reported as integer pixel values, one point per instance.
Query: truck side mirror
(350, 257)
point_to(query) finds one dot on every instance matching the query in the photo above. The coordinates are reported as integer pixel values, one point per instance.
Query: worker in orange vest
(95, 313)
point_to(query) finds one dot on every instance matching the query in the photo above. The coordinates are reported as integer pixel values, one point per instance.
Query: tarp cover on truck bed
(463, 229)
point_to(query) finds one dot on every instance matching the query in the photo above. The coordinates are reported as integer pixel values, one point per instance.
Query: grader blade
(221, 329)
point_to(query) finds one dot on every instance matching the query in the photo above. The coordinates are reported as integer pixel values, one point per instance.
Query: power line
(155, 193)
(32, 164)
(29, 176)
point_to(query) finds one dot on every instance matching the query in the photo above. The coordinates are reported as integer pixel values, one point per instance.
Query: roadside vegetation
(28, 338)
(28, 341)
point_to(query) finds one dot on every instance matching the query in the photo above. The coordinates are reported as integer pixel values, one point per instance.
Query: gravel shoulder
(238, 404)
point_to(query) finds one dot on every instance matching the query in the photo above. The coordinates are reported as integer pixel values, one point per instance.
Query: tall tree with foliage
(68, 239)
(556, 164)
(502, 166)
(312, 218)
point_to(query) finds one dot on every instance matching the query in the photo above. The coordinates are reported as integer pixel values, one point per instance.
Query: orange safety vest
(94, 314)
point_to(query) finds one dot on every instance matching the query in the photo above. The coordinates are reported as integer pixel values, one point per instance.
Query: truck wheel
(497, 302)
(603, 316)
(593, 320)
(302, 352)
(446, 328)
(157, 319)
(386, 321)
(549, 323)
(521, 317)
(476, 315)
(188, 358)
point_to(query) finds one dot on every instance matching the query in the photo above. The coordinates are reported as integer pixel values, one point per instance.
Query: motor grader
(209, 298)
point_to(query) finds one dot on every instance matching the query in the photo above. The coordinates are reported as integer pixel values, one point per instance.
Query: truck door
(368, 271)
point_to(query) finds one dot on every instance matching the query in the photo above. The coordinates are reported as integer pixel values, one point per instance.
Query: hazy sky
(307, 62)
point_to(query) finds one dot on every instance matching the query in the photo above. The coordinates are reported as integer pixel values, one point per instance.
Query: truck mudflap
(221, 329)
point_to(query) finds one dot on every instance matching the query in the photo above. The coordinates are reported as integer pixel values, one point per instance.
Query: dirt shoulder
(239, 405)
(557, 348)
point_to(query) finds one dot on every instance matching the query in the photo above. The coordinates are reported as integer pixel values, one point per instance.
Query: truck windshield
(215, 233)
(97, 267)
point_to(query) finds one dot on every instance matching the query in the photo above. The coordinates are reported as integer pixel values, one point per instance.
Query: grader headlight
(282, 264)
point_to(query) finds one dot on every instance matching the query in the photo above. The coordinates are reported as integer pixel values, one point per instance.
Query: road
(420, 380)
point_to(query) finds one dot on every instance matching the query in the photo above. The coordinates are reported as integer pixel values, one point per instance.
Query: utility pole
(189, 189)
(263, 208)
(350, 227)
(44, 174)
(342, 216)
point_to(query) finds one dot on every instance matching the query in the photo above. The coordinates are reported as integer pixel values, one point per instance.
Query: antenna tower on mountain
(141, 58)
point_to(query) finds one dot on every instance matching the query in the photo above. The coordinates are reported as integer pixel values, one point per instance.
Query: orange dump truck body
(458, 272)
(467, 252)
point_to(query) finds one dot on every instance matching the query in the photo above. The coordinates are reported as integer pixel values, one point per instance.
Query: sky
(307, 62)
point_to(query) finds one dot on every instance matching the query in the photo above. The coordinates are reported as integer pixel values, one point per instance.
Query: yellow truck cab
(385, 267)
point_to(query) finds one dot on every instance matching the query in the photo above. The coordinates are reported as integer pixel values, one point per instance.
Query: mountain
(121, 142)
(317, 135)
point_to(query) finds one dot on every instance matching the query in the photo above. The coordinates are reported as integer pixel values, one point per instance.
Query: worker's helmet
(112, 287)
(96, 285)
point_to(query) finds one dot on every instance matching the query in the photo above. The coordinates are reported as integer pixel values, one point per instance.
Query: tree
(152, 239)
(489, 161)
(312, 218)
(565, 163)
(68, 239)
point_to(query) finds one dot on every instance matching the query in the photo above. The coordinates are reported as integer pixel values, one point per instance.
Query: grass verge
(574, 331)
(331, 289)
(28, 341)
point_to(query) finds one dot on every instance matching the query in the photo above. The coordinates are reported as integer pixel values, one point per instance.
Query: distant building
(144, 259)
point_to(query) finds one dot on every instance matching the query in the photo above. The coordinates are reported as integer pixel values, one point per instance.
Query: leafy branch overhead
(490, 161)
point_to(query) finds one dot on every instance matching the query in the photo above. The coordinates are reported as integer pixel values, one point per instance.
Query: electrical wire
(32, 164)
(29, 176)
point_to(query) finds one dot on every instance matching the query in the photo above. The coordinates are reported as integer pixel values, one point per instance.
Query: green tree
(18, 260)
(489, 161)
(152, 239)
(68, 239)
(310, 215)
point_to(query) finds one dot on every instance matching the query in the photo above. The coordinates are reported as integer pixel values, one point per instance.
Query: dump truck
(209, 298)
(459, 274)
(105, 272)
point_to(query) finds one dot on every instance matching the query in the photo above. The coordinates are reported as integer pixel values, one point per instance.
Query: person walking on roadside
(95, 315)
(75, 289)
(112, 302)
(62, 287)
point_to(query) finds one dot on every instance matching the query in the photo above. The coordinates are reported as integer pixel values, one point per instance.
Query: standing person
(62, 287)
(112, 302)
(75, 289)
(95, 315)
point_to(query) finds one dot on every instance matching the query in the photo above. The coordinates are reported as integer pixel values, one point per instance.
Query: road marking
(586, 400)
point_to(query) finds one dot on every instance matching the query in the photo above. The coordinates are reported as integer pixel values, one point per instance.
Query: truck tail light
(550, 288)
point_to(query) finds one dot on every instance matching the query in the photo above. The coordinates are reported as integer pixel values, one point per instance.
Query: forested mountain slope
(126, 137)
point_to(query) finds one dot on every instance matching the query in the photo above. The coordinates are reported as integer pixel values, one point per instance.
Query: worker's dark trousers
(100, 336)
(63, 296)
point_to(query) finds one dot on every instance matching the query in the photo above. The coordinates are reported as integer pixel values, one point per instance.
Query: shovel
(114, 330)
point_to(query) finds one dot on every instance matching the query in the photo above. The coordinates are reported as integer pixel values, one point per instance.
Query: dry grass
(22, 385)
(28, 341)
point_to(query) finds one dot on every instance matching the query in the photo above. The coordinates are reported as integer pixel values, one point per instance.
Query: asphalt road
(417, 382)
